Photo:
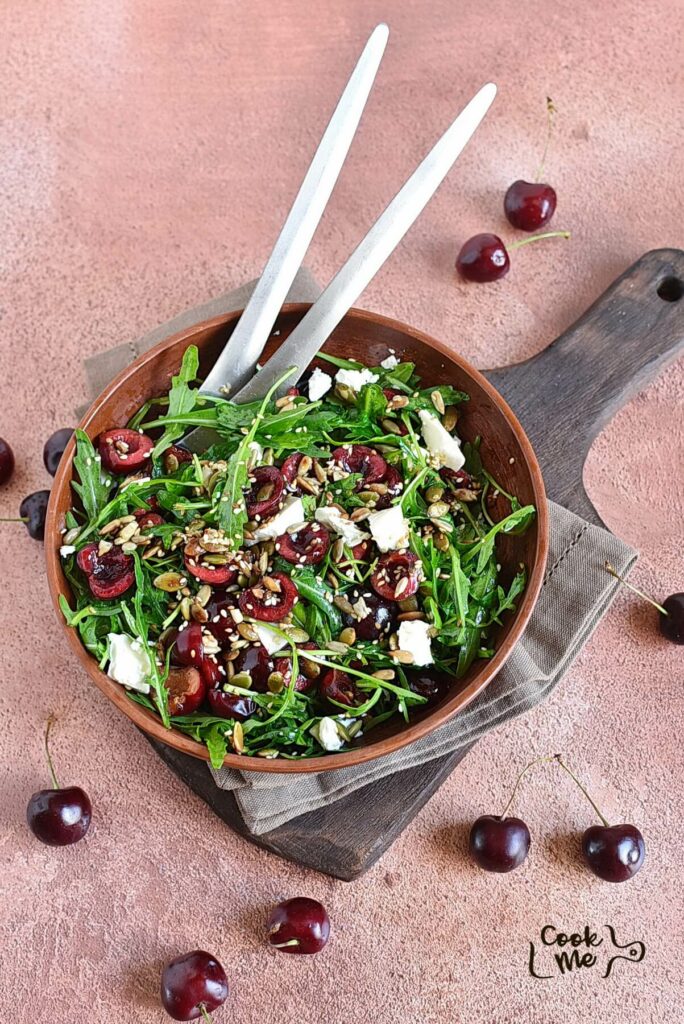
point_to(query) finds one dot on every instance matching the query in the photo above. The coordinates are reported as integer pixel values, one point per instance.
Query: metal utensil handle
(237, 362)
(325, 314)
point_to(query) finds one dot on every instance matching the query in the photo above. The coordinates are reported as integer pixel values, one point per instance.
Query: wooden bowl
(365, 336)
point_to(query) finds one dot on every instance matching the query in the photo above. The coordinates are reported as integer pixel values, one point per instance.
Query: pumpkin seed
(203, 594)
(403, 657)
(434, 494)
(185, 608)
(438, 402)
(268, 458)
(214, 559)
(338, 550)
(337, 647)
(128, 547)
(348, 636)
(441, 541)
(276, 682)
(378, 488)
(409, 604)
(390, 427)
(199, 613)
(296, 634)
(354, 728)
(368, 497)
(386, 674)
(242, 679)
(267, 752)
(247, 631)
(265, 492)
(169, 581)
(411, 617)
(309, 668)
(442, 525)
(438, 509)
(238, 739)
(345, 393)
(450, 418)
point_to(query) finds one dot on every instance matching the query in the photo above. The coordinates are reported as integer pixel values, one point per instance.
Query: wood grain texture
(563, 397)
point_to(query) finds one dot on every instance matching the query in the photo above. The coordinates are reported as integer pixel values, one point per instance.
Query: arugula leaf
(485, 547)
(182, 399)
(314, 589)
(94, 487)
(371, 403)
(217, 744)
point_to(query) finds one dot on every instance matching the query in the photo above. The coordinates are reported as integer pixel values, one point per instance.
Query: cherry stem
(15, 519)
(536, 238)
(550, 111)
(205, 1014)
(578, 783)
(537, 760)
(613, 572)
(50, 721)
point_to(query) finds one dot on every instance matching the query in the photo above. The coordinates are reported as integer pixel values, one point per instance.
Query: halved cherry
(147, 519)
(433, 687)
(358, 458)
(218, 575)
(392, 569)
(394, 484)
(338, 686)
(380, 619)
(363, 551)
(456, 478)
(221, 623)
(231, 705)
(308, 671)
(109, 575)
(290, 469)
(189, 645)
(308, 546)
(180, 454)
(257, 662)
(187, 689)
(123, 450)
(265, 493)
(268, 605)
(211, 673)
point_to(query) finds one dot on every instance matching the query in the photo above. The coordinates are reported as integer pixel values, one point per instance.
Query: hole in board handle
(671, 289)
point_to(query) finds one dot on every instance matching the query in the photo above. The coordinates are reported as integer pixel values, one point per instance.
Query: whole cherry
(299, 925)
(671, 618)
(485, 258)
(530, 205)
(32, 512)
(6, 461)
(499, 843)
(58, 817)
(54, 448)
(192, 985)
(613, 852)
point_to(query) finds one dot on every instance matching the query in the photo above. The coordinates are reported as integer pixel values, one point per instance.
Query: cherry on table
(54, 448)
(614, 852)
(32, 511)
(529, 205)
(58, 817)
(498, 843)
(6, 461)
(299, 925)
(192, 985)
(484, 257)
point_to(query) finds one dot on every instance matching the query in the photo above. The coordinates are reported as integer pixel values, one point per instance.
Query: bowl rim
(149, 722)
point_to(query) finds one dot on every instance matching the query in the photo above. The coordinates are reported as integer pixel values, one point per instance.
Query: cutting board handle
(580, 381)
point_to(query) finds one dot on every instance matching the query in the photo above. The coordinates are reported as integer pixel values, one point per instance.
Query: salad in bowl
(328, 564)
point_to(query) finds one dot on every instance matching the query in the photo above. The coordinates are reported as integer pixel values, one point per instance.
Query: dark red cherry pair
(58, 817)
(529, 206)
(33, 509)
(612, 852)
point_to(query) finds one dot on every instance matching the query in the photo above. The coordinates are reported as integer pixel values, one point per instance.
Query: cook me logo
(558, 954)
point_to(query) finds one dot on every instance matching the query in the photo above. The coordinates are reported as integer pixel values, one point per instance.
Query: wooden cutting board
(563, 397)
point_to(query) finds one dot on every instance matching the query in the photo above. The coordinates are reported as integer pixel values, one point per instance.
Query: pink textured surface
(149, 152)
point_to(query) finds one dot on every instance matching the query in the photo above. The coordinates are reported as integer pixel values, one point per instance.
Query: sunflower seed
(199, 613)
(333, 581)
(267, 752)
(438, 402)
(401, 586)
(263, 562)
(378, 488)
(230, 669)
(185, 608)
(319, 472)
(348, 636)
(308, 485)
(398, 402)
(203, 594)
(338, 550)
(282, 402)
(343, 603)
(127, 532)
(111, 527)
(171, 463)
(247, 631)
(443, 525)
(304, 466)
(238, 739)
(168, 581)
(271, 584)
(152, 552)
(265, 492)
(387, 674)
(359, 514)
(450, 418)
(393, 642)
(128, 547)
(403, 657)
(71, 535)
(390, 427)
(103, 547)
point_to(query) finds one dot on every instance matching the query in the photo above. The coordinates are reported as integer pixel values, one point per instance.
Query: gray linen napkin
(576, 593)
